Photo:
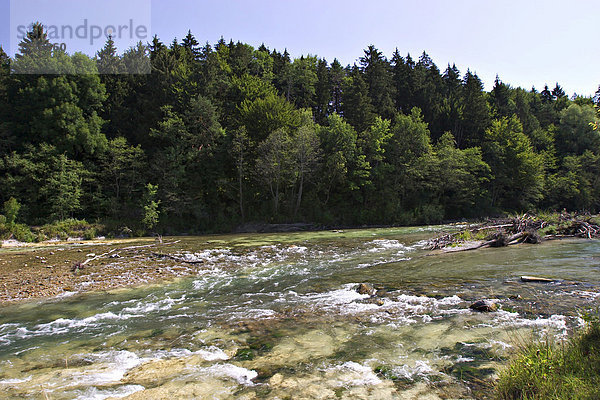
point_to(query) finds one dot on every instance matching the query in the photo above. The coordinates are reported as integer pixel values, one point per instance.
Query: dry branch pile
(523, 229)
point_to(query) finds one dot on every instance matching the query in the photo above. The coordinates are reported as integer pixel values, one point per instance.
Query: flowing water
(279, 316)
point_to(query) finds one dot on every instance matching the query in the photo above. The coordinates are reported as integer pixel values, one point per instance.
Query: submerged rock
(365, 288)
(484, 306)
(375, 300)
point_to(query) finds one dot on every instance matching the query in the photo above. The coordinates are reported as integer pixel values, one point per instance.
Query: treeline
(214, 136)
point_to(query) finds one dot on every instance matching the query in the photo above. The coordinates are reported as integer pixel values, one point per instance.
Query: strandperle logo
(94, 33)
(73, 29)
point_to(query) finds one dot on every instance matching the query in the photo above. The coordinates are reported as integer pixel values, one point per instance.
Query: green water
(278, 316)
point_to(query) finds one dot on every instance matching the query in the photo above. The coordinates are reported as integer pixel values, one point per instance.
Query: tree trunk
(299, 195)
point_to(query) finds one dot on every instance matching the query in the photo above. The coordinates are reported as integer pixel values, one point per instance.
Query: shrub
(11, 210)
(22, 233)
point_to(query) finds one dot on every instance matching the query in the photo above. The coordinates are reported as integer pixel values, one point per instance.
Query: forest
(204, 138)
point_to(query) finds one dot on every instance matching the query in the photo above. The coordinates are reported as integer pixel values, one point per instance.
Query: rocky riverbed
(349, 314)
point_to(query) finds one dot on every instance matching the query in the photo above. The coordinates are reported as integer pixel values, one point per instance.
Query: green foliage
(150, 206)
(518, 172)
(11, 210)
(68, 228)
(230, 133)
(264, 116)
(575, 135)
(63, 189)
(555, 371)
(22, 233)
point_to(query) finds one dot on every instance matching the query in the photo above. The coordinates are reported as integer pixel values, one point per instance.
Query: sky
(526, 42)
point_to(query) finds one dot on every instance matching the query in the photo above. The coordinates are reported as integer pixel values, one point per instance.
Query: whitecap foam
(109, 367)
(558, 322)
(355, 374)
(15, 381)
(113, 393)
(213, 354)
(421, 369)
(148, 307)
(241, 375)
(387, 244)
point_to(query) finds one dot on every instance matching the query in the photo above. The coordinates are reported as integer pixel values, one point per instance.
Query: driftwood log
(523, 229)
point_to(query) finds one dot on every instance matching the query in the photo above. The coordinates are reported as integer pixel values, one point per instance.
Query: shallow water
(278, 316)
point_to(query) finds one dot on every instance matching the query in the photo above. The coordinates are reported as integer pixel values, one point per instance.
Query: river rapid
(279, 316)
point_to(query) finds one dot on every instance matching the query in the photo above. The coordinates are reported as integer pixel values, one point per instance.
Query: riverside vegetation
(180, 137)
(550, 370)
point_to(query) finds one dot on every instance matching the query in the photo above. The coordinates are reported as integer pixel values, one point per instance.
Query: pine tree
(357, 107)
(323, 92)
(476, 115)
(107, 59)
(337, 75)
(377, 74)
(190, 43)
(500, 99)
(35, 43)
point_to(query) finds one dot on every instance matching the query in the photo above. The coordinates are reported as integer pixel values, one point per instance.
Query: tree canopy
(199, 137)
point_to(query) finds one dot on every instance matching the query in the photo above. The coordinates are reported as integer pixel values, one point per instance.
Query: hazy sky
(527, 42)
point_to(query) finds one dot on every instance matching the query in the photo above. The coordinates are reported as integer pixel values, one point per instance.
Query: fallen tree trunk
(523, 229)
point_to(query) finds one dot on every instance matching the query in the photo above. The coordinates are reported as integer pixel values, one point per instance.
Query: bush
(11, 210)
(90, 234)
(69, 228)
(22, 233)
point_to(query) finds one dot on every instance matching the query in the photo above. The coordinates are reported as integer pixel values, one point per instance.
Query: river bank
(53, 269)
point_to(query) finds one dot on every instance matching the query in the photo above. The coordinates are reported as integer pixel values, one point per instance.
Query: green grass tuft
(555, 371)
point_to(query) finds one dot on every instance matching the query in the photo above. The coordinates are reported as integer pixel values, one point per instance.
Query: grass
(555, 371)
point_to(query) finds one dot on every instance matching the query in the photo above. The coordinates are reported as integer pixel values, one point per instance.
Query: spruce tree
(403, 76)
(357, 107)
(107, 59)
(323, 92)
(377, 73)
(546, 95)
(190, 43)
(337, 75)
(35, 43)
(500, 99)
(476, 115)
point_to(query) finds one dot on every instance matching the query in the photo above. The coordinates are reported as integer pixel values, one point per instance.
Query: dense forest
(212, 136)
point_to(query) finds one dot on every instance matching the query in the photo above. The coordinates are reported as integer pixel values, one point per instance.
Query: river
(278, 316)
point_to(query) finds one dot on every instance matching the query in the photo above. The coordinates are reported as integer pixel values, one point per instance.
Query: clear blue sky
(526, 42)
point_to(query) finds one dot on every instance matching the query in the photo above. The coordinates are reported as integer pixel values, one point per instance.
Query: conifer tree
(500, 98)
(190, 43)
(35, 43)
(403, 81)
(377, 74)
(337, 75)
(357, 107)
(323, 91)
(476, 115)
(107, 59)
